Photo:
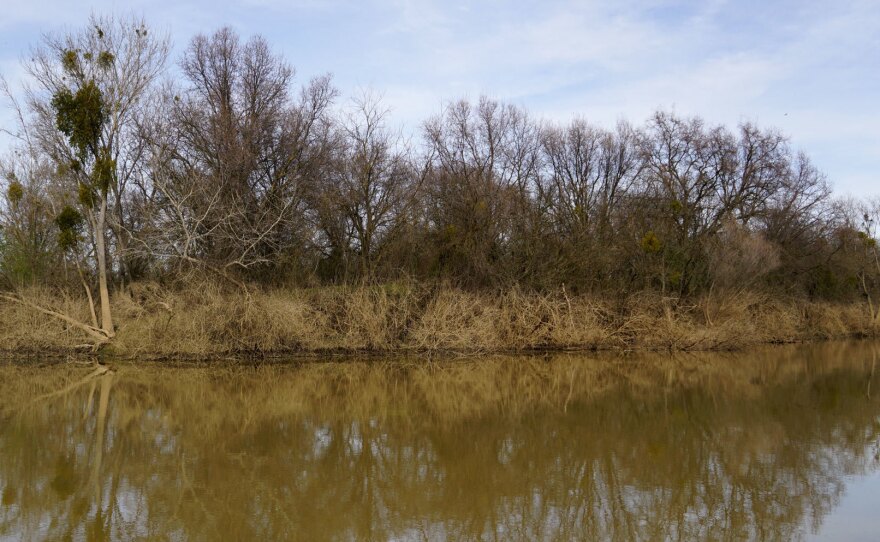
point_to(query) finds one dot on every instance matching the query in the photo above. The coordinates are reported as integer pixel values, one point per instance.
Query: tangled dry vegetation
(209, 321)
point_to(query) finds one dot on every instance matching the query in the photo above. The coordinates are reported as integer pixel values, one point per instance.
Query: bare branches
(233, 156)
(369, 188)
(482, 174)
(99, 335)
(236, 170)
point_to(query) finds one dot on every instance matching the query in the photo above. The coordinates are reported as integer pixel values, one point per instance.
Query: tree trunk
(101, 253)
(88, 290)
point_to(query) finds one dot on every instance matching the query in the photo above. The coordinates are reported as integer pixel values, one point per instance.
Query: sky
(807, 67)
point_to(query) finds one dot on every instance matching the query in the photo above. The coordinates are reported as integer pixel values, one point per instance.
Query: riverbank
(157, 323)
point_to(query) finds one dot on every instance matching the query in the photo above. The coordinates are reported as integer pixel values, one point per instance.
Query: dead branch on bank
(100, 336)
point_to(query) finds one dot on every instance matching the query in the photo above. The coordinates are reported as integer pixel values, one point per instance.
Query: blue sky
(810, 68)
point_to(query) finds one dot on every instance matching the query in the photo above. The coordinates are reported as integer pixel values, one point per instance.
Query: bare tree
(371, 185)
(585, 176)
(233, 158)
(868, 267)
(484, 164)
(703, 176)
(27, 233)
(229, 166)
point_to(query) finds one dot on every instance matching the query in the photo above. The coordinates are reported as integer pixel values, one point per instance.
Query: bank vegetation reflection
(563, 447)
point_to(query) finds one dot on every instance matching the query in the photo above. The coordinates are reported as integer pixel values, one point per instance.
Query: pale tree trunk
(121, 234)
(103, 401)
(868, 295)
(88, 290)
(101, 253)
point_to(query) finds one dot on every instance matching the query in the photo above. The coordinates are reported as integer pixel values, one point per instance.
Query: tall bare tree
(233, 158)
(484, 161)
(371, 186)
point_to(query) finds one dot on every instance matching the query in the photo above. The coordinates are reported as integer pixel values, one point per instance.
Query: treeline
(128, 167)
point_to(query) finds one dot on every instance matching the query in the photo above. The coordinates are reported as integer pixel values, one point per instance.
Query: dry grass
(209, 321)
(23, 329)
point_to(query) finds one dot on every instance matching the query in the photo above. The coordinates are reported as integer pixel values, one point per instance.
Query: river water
(779, 443)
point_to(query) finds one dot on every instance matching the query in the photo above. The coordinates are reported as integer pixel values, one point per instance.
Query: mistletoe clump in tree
(86, 97)
(81, 115)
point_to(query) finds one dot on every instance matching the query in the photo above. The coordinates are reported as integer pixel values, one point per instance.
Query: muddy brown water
(779, 443)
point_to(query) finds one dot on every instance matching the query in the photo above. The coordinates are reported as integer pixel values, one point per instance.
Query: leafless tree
(371, 186)
(704, 176)
(233, 158)
(484, 165)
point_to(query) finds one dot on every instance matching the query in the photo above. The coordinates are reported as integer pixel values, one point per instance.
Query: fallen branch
(99, 371)
(99, 335)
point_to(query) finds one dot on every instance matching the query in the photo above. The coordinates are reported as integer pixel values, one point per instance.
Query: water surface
(777, 444)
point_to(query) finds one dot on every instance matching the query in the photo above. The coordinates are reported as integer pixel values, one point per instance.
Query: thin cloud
(808, 68)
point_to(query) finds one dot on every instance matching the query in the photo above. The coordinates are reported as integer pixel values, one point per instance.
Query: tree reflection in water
(754, 445)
